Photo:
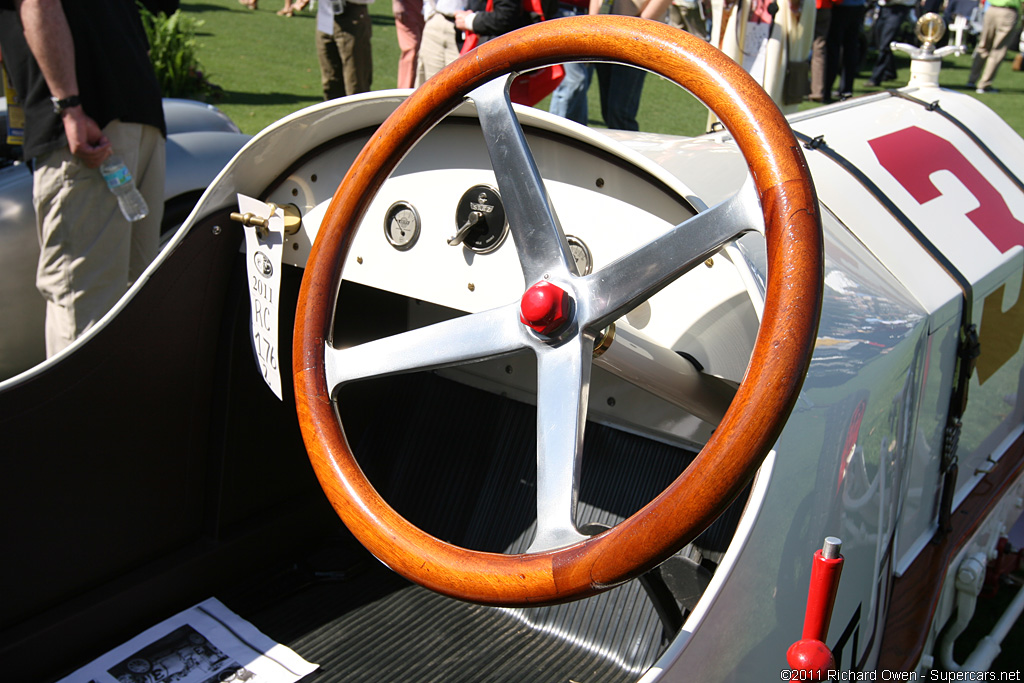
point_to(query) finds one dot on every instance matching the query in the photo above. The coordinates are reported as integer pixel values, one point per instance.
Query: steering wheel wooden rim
(770, 387)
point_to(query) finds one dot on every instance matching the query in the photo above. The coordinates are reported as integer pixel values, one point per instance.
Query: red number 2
(912, 155)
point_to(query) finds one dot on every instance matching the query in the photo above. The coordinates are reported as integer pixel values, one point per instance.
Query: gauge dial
(402, 225)
(580, 254)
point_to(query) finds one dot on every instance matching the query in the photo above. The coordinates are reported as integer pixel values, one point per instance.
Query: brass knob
(251, 220)
(292, 220)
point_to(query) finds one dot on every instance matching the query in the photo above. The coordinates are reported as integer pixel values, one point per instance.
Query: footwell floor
(345, 611)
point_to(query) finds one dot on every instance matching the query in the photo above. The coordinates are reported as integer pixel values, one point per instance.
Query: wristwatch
(61, 106)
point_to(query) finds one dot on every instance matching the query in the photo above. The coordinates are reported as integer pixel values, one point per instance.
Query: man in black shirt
(83, 75)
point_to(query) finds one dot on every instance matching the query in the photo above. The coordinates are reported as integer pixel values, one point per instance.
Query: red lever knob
(811, 657)
(545, 308)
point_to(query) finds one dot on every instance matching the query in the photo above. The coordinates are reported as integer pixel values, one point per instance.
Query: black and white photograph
(181, 654)
(207, 643)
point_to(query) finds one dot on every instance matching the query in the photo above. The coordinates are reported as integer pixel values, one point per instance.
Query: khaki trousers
(439, 47)
(996, 30)
(89, 253)
(819, 51)
(688, 18)
(346, 58)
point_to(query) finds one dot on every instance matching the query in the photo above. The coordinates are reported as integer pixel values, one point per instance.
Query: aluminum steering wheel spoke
(465, 339)
(620, 286)
(539, 239)
(563, 387)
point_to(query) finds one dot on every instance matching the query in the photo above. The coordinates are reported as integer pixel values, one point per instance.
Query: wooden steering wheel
(566, 311)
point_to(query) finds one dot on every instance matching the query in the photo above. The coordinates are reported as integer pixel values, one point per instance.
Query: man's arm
(49, 37)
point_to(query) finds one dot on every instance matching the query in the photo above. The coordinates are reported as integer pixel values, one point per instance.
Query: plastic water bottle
(119, 180)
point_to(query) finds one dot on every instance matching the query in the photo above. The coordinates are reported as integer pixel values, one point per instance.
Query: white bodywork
(860, 456)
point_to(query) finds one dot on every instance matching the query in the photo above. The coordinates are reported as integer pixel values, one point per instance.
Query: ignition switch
(480, 220)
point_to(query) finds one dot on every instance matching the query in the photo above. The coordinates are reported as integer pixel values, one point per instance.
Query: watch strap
(62, 105)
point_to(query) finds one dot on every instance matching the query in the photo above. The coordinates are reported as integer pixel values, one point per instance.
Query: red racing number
(912, 155)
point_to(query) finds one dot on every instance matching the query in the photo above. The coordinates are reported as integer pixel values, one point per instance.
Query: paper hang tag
(263, 267)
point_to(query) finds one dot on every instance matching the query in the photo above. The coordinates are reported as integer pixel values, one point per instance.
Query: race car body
(592, 398)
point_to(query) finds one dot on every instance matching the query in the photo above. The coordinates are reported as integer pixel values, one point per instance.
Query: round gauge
(480, 220)
(402, 225)
(580, 254)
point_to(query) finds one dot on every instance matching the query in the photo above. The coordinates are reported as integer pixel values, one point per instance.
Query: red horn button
(545, 308)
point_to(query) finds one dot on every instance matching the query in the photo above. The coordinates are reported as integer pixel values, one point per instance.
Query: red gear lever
(810, 655)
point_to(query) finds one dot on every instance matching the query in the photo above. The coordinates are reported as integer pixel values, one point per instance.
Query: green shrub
(173, 50)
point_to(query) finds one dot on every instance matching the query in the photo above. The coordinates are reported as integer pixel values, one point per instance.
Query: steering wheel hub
(545, 308)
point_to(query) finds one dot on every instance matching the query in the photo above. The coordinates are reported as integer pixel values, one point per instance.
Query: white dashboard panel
(610, 205)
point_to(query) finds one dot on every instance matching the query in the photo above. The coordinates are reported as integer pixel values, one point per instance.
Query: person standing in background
(569, 100)
(343, 31)
(82, 70)
(822, 20)
(409, 27)
(441, 41)
(891, 15)
(997, 28)
(843, 47)
(491, 18)
(621, 86)
(290, 8)
(1018, 61)
(689, 16)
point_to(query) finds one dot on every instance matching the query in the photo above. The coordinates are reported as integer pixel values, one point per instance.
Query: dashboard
(436, 234)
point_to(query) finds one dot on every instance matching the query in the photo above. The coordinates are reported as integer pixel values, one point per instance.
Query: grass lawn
(267, 67)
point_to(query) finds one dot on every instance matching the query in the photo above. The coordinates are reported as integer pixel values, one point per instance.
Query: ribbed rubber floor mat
(460, 464)
(378, 628)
